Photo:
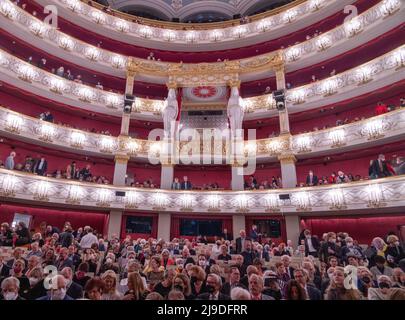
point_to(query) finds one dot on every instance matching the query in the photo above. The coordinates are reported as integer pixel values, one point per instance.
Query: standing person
(186, 185)
(240, 241)
(378, 168)
(88, 240)
(312, 244)
(40, 167)
(10, 164)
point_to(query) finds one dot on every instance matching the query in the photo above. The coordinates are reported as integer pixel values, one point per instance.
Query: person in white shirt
(88, 240)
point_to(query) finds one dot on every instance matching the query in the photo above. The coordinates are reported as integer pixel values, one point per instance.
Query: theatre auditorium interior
(202, 150)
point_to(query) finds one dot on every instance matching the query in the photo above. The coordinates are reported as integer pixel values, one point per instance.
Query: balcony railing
(388, 67)
(388, 127)
(354, 196)
(78, 50)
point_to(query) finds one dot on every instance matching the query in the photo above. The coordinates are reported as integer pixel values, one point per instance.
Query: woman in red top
(381, 108)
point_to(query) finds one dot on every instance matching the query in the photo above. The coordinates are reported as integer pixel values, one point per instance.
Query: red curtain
(250, 220)
(362, 228)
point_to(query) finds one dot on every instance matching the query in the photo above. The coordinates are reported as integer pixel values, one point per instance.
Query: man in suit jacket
(40, 167)
(253, 233)
(312, 244)
(378, 168)
(176, 184)
(248, 254)
(186, 185)
(234, 281)
(286, 260)
(4, 269)
(213, 286)
(240, 242)
(301, 276)
(57, 292)
(312, 180)
(74, 290)
(10, 288)
(226, 236)
(256, 285)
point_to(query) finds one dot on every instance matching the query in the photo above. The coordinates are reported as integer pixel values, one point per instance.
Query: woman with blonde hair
(136, 289)
(337, 289)
(154, 271)
(197, 280)
(110, 291)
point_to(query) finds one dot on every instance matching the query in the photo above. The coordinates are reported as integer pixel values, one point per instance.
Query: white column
(288, 170)
(283, 115)
(120, 169)
(238, 224)
(167, 176)
(114, 224)
(292, 223)
(164, 223)
(237, 178)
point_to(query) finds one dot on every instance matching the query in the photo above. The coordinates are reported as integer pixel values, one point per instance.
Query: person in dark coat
(378, 168)
(311, 243)
(394, 253)
(213, 286)
(66, 238)
(23, 234)
(312, 180)
(329, 248)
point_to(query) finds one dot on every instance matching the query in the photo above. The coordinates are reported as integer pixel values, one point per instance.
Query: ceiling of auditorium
(196, 11)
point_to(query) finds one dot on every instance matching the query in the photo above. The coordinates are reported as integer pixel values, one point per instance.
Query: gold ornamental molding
(216, 73)
(121, 158)
(287, 158)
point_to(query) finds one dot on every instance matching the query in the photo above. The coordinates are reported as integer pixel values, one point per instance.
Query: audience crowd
(68, 264)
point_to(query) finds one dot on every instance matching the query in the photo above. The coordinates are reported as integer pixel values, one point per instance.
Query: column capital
(121, 158)
(234, 83)
(286, 158)
(171, 84)
(131, 73)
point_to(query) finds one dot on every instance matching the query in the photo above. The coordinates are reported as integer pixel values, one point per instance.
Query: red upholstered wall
(175, 223)
(266, 173)
(55, 162)
(250, 219)
(362, 228)
(143, 173)
(155, 218)
(55, 217)
(30, 106)
(358, 165)
(199, 177)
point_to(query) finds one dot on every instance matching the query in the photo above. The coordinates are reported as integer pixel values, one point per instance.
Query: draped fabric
(362, 228)
(154, 230)
(176, 219)
(250, 221)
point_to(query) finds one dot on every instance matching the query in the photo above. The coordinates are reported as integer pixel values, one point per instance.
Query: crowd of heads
(68, 264)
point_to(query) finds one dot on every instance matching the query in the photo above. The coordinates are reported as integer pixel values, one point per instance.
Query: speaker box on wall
(120, 193)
